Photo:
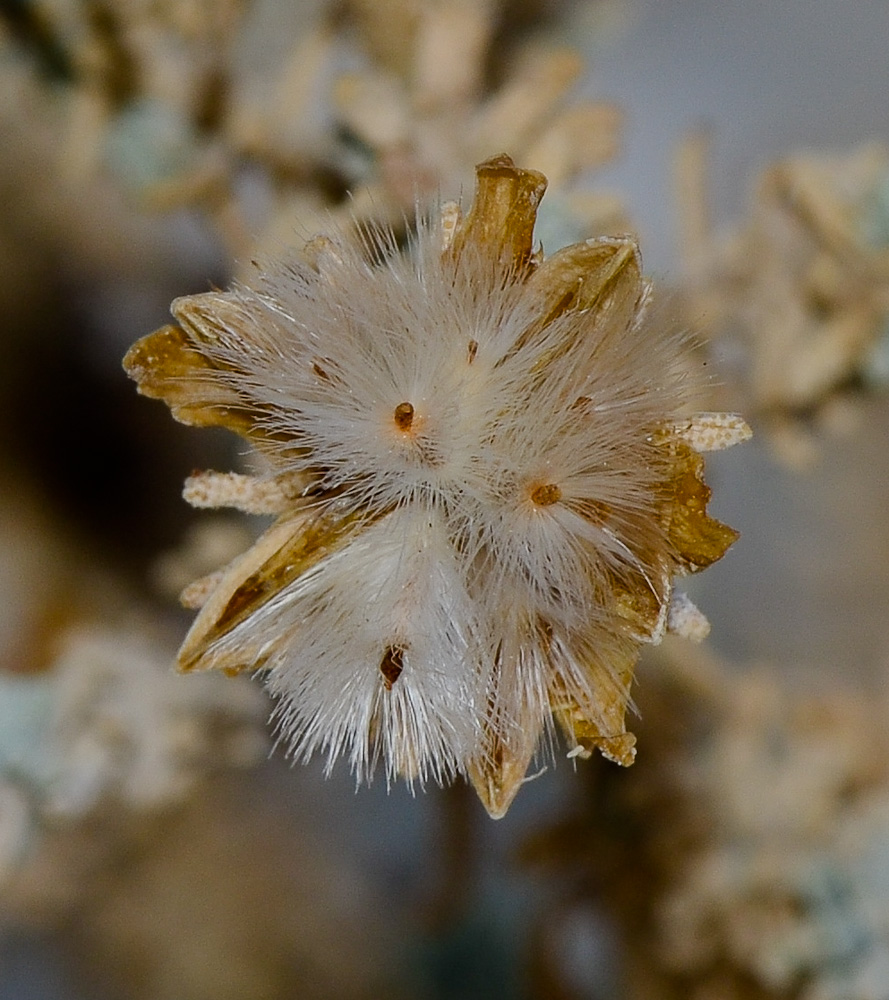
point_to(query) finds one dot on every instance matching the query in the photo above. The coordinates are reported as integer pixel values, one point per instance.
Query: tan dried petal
(451, 214)
(197, 593)
(641, 606)
(498, 772)
(500, 223)
(250, 494)
(290, 547)
(603, 274)
(165, 365)
(620, 749)
(215, 318)
(714, 431)
(698, 540)
(600, 726)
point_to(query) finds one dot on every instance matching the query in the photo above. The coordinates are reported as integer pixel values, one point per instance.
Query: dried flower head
(484, 477)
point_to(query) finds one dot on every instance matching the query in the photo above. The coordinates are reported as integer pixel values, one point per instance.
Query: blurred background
(153, 843)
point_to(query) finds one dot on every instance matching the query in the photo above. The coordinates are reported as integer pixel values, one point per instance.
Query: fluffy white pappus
(388, 655)
(467, 550)
(484, 530)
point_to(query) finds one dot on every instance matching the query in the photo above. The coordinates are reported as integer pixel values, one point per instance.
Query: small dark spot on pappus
(391, 665)
(404, 416)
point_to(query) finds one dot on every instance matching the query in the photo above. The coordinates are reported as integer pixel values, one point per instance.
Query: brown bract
(667, 533)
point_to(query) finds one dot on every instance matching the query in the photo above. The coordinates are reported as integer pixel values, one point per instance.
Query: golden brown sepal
(166, 366)
(500, 224)
(697, 539)
(290, 547)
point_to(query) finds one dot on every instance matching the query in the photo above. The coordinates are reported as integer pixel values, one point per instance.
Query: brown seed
(546, 494)
(473, 350)
(391, 665)
(404, 416)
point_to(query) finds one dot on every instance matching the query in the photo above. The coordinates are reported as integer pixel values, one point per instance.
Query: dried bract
(485, 479)
(800, 294)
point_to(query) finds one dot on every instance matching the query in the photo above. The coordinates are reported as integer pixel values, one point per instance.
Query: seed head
(485, 480)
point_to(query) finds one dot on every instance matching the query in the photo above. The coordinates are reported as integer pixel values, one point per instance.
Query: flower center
(546, 494)
(404, 416)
